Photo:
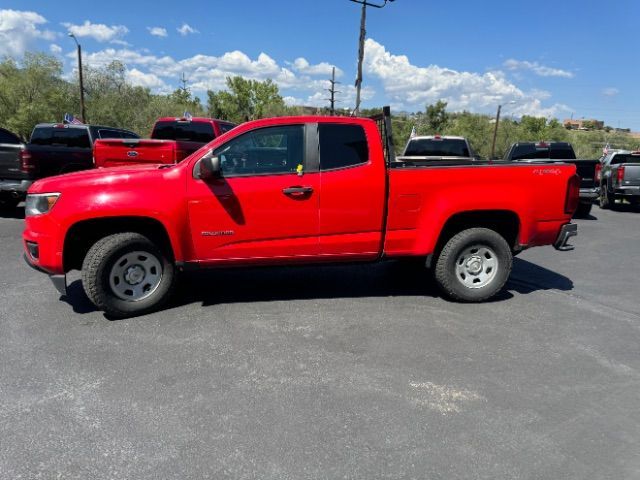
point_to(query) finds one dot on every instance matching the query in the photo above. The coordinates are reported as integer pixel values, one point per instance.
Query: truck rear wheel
(7, 203)
(606, 200)
(474, 265)
(583, 210)
(125, 274)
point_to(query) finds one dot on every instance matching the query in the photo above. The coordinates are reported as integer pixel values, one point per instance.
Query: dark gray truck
(620, 178)
(561, 152)
(54, 149)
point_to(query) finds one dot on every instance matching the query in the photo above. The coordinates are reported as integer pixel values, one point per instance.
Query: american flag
(413, 132)
(68, 118)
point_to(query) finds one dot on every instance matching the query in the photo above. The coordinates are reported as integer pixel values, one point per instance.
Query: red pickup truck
(172, 140)
(292, 191)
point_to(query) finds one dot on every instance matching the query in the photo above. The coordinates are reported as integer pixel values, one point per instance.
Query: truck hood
(99, 178)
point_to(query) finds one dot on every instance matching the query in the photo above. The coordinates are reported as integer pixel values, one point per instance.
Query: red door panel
(252, 217)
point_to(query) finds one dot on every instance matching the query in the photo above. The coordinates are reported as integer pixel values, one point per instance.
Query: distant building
(583, 124)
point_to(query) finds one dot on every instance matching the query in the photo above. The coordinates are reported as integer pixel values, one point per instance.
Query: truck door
(265, 206)
(352, 196)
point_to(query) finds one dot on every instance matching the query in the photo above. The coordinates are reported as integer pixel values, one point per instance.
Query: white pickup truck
(438, 149)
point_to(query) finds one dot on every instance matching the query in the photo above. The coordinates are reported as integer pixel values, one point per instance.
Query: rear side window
(8, 137)
(427, 147)
(62, 137)
(342, 146)
(225, 127)
(108, 133)
(185, 131)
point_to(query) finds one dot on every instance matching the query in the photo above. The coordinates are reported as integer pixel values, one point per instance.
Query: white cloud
(157, 31)
(19, 30)
(408, 86)
(535, 67)
(301, 65)
(148, 80)
(55, 49)
(186, 29)
(98, 31)
(610, 92)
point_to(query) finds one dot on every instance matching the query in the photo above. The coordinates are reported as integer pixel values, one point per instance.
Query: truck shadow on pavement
(388, 279)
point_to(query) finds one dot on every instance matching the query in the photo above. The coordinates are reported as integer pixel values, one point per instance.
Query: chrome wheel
(135, 276)
(476, 266)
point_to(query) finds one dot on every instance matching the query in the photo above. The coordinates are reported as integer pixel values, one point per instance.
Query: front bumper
(567, 231)
(59, 281)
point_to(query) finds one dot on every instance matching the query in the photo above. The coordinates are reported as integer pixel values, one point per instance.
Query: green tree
(32, 91)
(437, 118)
(246, 100)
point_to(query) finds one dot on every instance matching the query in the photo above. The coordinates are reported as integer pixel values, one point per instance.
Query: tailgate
(118, 152)
(631, 174)
(10, 161)
(586, 170)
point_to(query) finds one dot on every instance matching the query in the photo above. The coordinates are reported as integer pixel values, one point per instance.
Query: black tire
(98, 277)
(583, 210)
(606, 200)
(483, 240)
(9, 203)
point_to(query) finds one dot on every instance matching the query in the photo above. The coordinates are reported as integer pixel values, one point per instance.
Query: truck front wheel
(474, 265)
(125, 274)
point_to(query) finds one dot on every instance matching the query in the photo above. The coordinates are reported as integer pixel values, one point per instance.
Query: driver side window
(265, 151)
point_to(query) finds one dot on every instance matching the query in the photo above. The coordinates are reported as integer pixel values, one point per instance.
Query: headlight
(39, 203)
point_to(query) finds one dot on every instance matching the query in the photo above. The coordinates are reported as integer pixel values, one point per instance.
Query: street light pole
(363, 33)
(82, 112)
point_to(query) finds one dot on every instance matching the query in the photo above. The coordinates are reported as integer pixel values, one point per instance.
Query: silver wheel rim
(135, 276)
(476, 266)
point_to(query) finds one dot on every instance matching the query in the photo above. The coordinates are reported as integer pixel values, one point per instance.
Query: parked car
(437, 148)
(172, 140)
(561, 152)
(293, 190)
(11, 181)
(620, 178)
(54, 149)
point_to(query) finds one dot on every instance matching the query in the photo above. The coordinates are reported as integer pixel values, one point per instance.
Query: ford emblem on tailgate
(132, 153)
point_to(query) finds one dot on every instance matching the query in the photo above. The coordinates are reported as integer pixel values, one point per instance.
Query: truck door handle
(297, 191)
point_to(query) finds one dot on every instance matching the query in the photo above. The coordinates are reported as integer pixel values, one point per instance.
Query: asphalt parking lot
(356, 372)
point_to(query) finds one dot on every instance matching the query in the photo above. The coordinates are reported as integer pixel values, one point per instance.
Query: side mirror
(210, 167)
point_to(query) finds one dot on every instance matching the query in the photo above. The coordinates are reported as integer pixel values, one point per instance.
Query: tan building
(584, 124)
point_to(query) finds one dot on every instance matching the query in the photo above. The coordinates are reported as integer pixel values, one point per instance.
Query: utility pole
(333, 91)
(363, 33)
(495, 129)
(495, 133)
(82, 112)
(184, 81)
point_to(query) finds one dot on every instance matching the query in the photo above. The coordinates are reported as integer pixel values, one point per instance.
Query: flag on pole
(413, 132)
(606, 148)
(187, 116)
(68, 118)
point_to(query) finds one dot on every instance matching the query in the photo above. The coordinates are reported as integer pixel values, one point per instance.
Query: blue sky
(551, 58)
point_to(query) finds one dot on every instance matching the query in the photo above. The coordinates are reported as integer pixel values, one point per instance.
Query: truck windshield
(186, 131)
(426, 147)
(532, 151)
(61, 136)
